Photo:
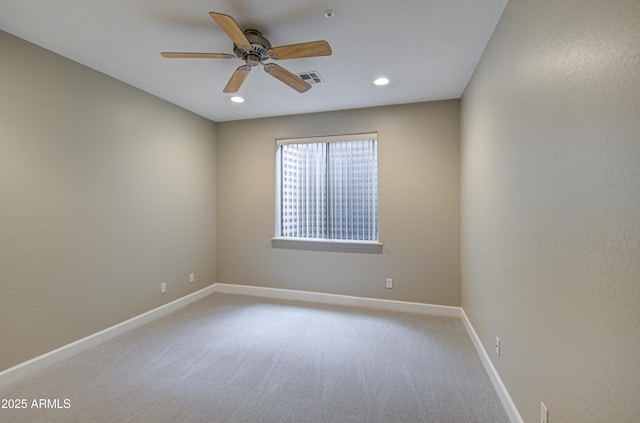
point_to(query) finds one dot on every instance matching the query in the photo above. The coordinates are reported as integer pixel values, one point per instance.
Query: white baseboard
(334, 299)
(23, 370)
(501, 390)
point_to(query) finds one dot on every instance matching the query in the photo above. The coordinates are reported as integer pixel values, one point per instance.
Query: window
(327, 188)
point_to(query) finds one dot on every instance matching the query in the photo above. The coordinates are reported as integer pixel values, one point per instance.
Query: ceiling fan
(250, 46)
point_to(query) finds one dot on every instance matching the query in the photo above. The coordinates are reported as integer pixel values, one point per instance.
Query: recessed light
(381, 81)
(237, 99)
(329, 13)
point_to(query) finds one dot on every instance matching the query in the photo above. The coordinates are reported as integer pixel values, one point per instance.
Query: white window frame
(370, 246)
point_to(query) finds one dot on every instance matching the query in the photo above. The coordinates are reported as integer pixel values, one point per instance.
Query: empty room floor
(236, 358)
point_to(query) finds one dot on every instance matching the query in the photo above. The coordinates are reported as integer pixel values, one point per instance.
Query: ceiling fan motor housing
(259, 48)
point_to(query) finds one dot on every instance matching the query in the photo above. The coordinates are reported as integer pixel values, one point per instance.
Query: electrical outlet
(192, 277)
(389, 283)
(163, 287)
(498, 346)
(544, 413)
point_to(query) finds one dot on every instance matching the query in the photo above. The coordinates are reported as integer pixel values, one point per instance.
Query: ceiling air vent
(312, 77)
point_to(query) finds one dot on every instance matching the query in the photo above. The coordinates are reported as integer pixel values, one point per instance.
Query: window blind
(329, 189)
(328, 138)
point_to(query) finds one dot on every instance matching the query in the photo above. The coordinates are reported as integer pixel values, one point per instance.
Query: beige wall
(418, 205)
(551, 207)
(105, 192)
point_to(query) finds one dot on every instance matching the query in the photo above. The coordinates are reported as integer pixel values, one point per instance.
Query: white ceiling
(427, 48)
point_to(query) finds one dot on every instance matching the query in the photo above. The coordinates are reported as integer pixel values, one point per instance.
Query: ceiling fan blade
(178, 55)
(237, 79)
(229, 25)
(287, 77)
(295, 51)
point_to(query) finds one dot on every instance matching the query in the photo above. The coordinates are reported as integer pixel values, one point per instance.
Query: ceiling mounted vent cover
(311, 77)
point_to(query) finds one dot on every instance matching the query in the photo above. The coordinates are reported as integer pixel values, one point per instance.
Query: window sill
(331, 245)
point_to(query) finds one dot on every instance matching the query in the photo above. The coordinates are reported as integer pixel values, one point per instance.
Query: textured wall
(105, 192)
(418, 205)
(551, 206)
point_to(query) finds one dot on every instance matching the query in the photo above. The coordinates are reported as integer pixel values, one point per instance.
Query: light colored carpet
(232, 358)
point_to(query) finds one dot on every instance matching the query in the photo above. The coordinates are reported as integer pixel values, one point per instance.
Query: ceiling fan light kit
(252, 47)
